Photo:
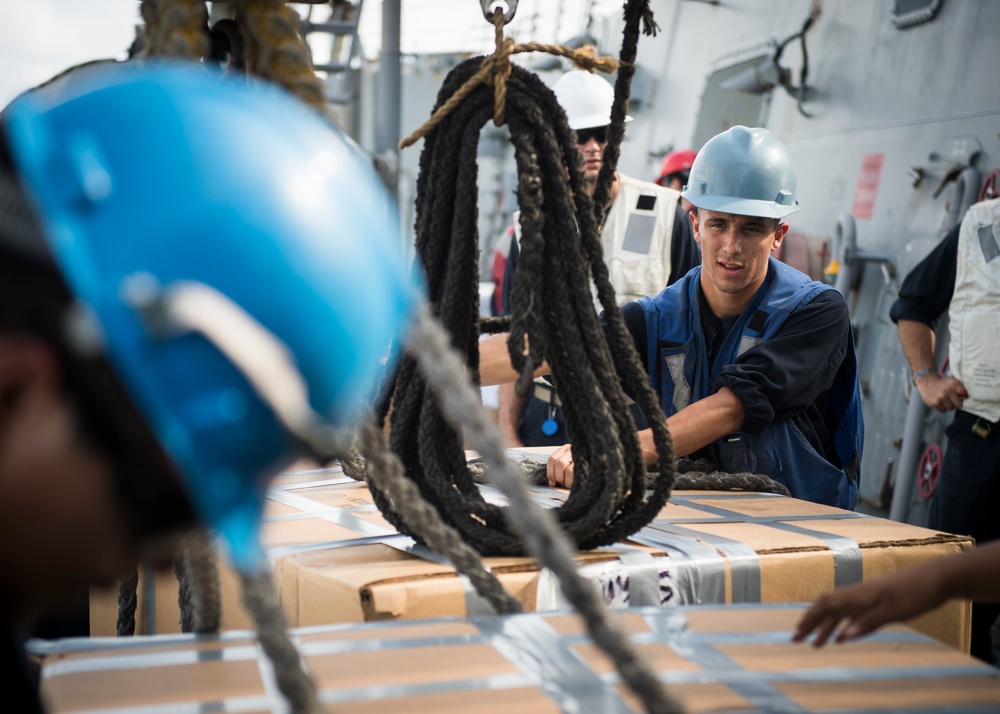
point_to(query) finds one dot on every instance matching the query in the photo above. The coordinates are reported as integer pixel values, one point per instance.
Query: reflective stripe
(746, 343)
(682, 389)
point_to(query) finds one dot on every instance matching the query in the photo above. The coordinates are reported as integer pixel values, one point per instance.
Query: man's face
(734, 253)
(62, 526)
(591, 142)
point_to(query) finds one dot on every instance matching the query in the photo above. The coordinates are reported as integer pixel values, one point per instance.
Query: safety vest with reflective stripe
(681, 372)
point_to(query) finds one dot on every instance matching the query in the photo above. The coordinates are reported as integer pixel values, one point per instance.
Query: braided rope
(261, 599)
(691, 476)
(276, 51)
(198, 580)
(183, 591)
(496, 69)
(128, 601)
(551, 303)
(175, 28)
(386, 473)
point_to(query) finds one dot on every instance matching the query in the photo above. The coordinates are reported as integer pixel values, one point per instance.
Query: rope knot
(498, 68)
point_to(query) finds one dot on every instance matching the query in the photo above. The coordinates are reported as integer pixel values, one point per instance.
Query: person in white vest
(962, 276)
(648, 244)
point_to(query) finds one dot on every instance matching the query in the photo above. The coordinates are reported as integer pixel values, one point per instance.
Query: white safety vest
(636, 235)
(974, 314)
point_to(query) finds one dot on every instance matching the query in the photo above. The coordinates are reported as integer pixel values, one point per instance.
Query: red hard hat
(679, 160)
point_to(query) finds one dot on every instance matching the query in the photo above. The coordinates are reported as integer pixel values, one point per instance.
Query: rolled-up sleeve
(781, 377)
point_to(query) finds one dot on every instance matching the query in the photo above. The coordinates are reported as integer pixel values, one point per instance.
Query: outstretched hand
(855, 611)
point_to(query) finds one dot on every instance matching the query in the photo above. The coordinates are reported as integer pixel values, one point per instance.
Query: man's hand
(559, 467)
(866, 607)
(941, 393)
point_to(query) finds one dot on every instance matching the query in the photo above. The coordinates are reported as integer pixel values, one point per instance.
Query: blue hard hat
(234, 257)
(746, 172)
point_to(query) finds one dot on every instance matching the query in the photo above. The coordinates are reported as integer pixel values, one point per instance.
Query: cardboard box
(712, 658)
(337, 560)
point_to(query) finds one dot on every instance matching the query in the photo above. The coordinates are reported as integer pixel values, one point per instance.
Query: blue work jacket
(682, 373)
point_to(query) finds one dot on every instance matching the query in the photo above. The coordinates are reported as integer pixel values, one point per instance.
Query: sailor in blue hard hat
(198, 285)
(754, 362)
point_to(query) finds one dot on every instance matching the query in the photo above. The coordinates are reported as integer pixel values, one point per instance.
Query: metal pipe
(909, 457)
(845, 238)
(387, 136)
(966, 193)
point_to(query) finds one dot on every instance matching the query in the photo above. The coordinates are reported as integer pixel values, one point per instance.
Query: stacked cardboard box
(713, 658)
(337, 560)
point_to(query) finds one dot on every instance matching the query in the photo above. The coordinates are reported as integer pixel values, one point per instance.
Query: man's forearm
(509, 414)
(494, 362)
(699, 424)
(917, 340)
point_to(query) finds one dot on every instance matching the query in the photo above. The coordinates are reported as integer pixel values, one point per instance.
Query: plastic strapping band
(848, 568)
(744, 563)
(531, 645)
(149, 597)
(699, 571)
(759, 692)
(727, 515)
(343, 481)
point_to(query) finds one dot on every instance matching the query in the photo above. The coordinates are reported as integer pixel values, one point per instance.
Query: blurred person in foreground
(197, 284)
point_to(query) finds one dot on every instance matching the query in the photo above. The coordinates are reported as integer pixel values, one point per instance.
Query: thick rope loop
(260, 597)
(552, 305)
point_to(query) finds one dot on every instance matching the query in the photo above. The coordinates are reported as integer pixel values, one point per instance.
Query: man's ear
(779, 235)
(28, 369)
(693, 215)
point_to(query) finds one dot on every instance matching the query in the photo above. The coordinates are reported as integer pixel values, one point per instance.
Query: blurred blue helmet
(746, 172)
(236, 261)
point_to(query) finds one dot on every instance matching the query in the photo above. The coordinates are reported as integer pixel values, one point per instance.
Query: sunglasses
(597, 133)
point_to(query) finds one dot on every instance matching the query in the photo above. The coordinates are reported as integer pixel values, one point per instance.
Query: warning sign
(864, 196)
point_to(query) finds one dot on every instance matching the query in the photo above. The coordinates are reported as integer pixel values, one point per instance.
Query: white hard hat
(586, 98)
(745, 171)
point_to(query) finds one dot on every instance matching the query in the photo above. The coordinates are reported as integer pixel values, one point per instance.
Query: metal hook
(490, 6)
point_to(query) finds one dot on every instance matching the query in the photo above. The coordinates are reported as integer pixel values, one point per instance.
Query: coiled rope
(430, 402)
(551, 306)
(700, 475)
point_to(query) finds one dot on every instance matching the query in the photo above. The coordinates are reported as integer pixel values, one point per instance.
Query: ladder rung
(332, 68)
(333, 27)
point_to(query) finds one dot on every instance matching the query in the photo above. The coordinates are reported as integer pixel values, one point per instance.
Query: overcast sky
(40, 38)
